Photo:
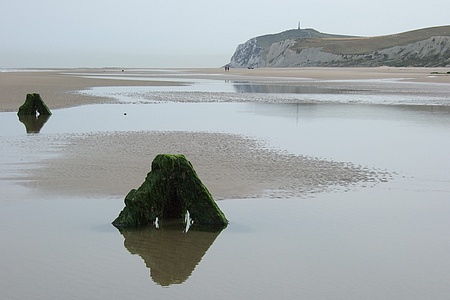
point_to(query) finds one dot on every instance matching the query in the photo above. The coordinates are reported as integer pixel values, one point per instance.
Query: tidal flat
(333, 188)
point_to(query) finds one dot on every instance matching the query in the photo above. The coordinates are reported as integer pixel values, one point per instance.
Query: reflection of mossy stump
(33, 105)
(170, 190)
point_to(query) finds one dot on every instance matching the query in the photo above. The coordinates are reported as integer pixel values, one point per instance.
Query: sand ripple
(231, 166)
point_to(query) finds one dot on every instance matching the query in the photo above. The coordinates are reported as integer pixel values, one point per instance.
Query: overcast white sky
(184, 33)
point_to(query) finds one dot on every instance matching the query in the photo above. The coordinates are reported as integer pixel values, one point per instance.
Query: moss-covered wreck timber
(171, 189)
(33, 105)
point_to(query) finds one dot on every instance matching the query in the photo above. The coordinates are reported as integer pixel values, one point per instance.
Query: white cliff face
(279, 52)
(434, 51)
(307, 57)
(428, 51)
(248, 55)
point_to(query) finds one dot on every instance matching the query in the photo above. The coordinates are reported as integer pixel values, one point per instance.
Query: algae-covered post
(33, 105)
(171, 189)
(33, 113)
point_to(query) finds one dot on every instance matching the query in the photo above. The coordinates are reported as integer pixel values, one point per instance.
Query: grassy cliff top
(293, 34)
(362, 45)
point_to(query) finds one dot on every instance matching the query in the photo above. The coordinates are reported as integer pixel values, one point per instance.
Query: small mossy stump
(171, 189)
(33, 105)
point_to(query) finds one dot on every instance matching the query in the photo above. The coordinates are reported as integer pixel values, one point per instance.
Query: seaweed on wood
(172, 189)
(33, 105)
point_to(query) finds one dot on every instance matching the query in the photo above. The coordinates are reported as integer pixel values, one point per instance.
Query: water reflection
(33, 124)
(251, 87)
(309, 111)
(169, 252)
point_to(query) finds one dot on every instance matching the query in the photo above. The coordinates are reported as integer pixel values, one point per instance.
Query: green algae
(33, 105)
(172, 189)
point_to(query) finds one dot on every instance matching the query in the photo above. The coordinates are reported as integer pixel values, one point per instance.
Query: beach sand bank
(231, 166)
(407, 74)
(59, 88)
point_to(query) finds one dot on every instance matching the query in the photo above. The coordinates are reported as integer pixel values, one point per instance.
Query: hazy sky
(184, 33)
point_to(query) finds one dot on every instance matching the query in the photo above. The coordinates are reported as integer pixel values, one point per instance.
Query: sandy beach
(335, 183)
(59, 87)
(407, 74)
(231, 166)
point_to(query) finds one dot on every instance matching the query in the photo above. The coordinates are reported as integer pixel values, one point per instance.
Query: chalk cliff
(429, 47)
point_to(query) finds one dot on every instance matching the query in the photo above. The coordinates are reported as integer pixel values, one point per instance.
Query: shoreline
(111, 164)
(59, 88)
(323, 73)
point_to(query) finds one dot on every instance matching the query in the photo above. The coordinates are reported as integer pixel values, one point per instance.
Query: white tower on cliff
(299, 27)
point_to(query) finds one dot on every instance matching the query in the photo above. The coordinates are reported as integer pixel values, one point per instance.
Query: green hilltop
(296, 34)
(362, 45)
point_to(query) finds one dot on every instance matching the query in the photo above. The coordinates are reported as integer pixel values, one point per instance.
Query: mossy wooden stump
(171, 190)
(33, 105)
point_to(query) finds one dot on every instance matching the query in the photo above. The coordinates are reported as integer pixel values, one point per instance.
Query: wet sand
(59, 88)
(406, 74)
(231, 166)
